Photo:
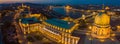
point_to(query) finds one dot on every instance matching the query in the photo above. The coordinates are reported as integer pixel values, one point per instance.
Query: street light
(90, 27)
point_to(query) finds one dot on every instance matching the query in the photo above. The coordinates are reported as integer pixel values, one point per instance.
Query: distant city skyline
(75, 2)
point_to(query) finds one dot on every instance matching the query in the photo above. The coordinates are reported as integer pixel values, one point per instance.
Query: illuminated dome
(102, 19)
(107, 8)
(67, 7)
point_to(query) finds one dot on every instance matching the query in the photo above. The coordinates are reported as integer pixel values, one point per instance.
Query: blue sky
(108, 2)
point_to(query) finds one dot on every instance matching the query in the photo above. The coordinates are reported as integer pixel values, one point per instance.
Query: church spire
(103, 6)
(22, 4)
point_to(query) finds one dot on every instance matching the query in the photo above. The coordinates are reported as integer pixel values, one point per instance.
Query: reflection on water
(72, 14)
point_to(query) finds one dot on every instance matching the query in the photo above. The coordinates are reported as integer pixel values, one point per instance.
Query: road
(19, 31)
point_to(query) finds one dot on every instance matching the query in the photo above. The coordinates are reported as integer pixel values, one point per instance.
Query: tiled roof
(60, 23)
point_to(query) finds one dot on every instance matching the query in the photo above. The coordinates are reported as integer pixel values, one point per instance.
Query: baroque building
(101, 28)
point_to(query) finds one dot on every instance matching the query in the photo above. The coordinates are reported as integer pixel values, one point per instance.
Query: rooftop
(29, 20)
(60, 23)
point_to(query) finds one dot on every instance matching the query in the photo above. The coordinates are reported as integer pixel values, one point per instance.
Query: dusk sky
(108, 2)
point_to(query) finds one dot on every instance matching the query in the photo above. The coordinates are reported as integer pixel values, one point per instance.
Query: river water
(72, 14)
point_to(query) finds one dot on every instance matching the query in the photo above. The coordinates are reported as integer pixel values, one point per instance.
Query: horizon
(71, 2)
